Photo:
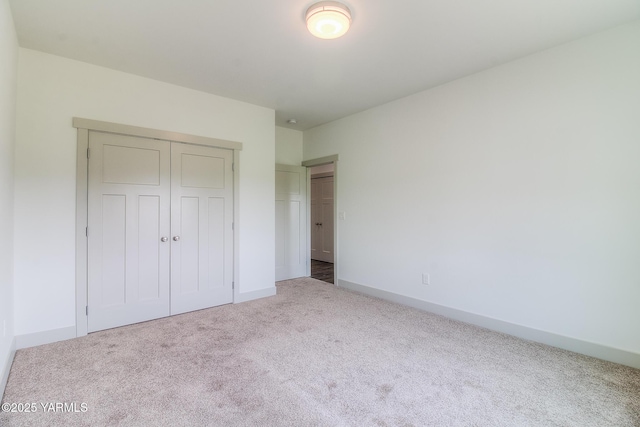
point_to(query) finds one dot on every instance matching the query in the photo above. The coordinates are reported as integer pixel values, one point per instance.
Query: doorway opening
(322, 224)
(306, 243)
(321, 270)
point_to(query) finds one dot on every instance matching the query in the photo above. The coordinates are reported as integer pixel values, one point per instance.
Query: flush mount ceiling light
(328, 19)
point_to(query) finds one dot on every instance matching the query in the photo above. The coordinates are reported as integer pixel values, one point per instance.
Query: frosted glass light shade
(328, 19)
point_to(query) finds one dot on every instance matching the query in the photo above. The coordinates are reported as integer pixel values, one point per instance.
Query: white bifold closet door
(202, 222)
(160, 237)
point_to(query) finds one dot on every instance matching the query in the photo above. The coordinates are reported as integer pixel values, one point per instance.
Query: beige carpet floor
(316, 355)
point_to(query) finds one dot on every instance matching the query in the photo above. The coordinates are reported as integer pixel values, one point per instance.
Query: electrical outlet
(426, 280)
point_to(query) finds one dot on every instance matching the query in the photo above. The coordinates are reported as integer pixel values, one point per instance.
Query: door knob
(164, 239)
(176, 238)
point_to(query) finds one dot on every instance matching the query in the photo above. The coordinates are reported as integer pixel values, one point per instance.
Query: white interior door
(201, 227)
(128, 208)
(322, 219)
(291, 222)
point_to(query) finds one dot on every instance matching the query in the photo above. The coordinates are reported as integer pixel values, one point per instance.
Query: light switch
(342, 215)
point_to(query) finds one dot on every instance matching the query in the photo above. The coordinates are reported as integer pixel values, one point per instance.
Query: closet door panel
(202, 227)
(128, 214)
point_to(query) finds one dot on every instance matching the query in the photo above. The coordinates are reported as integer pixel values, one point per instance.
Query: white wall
(8, 69)
(517, 189)
(52, 90)
(288, 146)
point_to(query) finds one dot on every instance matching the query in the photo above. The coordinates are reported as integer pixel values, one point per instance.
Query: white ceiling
(259, 51)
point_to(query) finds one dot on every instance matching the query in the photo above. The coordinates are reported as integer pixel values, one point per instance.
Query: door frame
(336, 202)
(84, 126)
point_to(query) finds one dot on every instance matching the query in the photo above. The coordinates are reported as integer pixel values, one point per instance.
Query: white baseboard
(250, 296)
(599, 351)
(4, 373)
(45, 337)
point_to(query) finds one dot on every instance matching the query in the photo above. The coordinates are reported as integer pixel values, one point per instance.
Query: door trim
(336, 202)
(321, 161)
(108, 127)
(83, 127)
(82, 223)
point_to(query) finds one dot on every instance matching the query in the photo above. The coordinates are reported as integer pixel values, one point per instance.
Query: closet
(160, 228)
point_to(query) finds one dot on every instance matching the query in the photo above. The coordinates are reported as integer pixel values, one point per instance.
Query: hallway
(322, 271)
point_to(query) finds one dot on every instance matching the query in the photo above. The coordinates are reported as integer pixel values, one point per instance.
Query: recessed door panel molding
(188, 248)
(160, 229)
(201, 227)
(327, 229)
(129, 165)
(288, 182)
(327, 189)
(202, 171)
(149, 247)
(216, 243)
(297, 256)
(291, 222)
(113, 267)
(281, 235)
(322, 214)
